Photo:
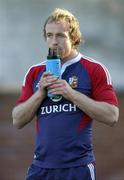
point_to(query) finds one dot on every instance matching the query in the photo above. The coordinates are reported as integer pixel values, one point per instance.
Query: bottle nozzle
(53, 53)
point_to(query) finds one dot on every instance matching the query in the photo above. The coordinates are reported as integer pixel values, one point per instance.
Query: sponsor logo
(58, 108)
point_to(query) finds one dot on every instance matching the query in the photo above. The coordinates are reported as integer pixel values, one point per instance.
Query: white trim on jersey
(72, 61)
(42, 63)
(108, 76)
(91, 169)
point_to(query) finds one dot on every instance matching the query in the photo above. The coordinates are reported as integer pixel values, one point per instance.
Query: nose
(54, 41)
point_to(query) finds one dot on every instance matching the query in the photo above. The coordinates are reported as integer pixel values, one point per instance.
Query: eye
(48, 35)
(61, 35)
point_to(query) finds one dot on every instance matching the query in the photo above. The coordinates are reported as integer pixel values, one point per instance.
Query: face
(57, 37)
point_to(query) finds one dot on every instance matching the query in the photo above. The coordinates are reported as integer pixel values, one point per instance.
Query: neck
(73, 54)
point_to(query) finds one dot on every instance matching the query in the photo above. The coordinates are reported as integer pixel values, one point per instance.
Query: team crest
(73, 81)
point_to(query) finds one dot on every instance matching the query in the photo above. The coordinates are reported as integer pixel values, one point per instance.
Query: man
(64, 128)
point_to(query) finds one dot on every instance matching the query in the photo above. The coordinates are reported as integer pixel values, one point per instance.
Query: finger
(56, 85)
(45, 74)
(51, 79)
(55, 91)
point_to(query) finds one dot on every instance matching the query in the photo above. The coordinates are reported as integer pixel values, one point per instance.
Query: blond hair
(59, 15)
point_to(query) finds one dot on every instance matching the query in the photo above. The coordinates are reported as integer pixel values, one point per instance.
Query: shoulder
(37, 67)
(95, 68)
(89, 62)
(34, 70)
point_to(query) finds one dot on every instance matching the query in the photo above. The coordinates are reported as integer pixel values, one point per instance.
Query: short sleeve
(102, 87)
(26, 90)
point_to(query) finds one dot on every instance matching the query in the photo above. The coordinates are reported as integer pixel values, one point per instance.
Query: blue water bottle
(53, 65)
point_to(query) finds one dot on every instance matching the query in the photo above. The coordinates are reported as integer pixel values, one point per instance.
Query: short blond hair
(59, 15)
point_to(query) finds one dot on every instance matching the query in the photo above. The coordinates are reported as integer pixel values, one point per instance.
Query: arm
(26, 111)
(99, 111)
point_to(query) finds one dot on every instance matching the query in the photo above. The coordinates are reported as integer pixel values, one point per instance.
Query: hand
(47, 79)
(61, 87)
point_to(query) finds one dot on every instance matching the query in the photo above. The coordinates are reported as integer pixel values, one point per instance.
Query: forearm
(99, 111)
(25, 112)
